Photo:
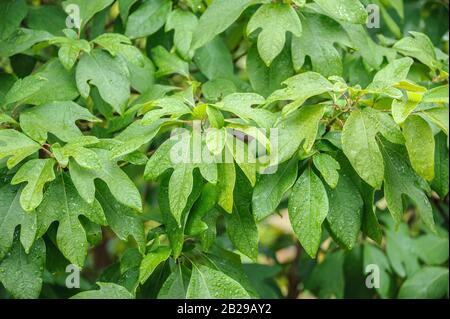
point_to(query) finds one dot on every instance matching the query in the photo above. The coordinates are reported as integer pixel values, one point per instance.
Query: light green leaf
(420, 145)
(106, 291)
(217, 18)
(174, 107)
(109, 74)
(225, 184)
(432, 250)
(428, 283)
(440, 116)
(304, 125)
(120, 185)
(21, 40)
(308, 208)
(169, 63)
(207, 283)
(420, 47)
(63, 204)
(374, 256)
(22, 274)
(401, 109)
(328, 167)
(87, 8)
(52, 82)
(70, 48)
(57, 118)
(16, 147)
(391, 74)
(360, 146)
(215, 61)
(274, 20)
(183, 23)
(77, 150)
(345, 10)
(148, 18)
(151, 261)
(116, 43)
(300, 88)
(437, 95)
(36, 173)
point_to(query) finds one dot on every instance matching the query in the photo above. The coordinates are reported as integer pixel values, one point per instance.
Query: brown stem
(293, 275)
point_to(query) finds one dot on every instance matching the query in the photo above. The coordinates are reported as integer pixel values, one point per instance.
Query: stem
(293, 275)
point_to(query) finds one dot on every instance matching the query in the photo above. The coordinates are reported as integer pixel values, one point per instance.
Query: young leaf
(418, 46)
(36, 173)
(308, 208)
(345, 10)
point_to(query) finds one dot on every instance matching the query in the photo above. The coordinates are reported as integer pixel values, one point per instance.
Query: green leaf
(215, 61)
(304, 125)
(70, 48)
(52, 82)
(57, 118)
(76, 149)
(432, 250)
(207, 283)
(241, 224)
(87, 8)
(360, 146)
(345, 10)
(169, 63)
(16, 147)
(63, 204)
(241, 105)
(440, 181)
(393, 73)
(265, 80)
(217, 18)
(118, 44)
(439, 116)
(345, 215)
(151, 261)
(22, 274)
(428, 283)
(120, 185)
(21, 40)
(11, 216)
(109, 74)
(148, 18)
(243, 156)
(328, 167)
(12, 13)
(274, 20)
(123, 220)
(308, 208)
(420, 145)
(320, 34)
(106, 291)
(225, 184)
(437, 95)
(420, 47)
(374, 256)
(271, 188)
(174, 287)
(400, 180)
(174, 107)
(183, 23)
(300, 88)
(36, 173)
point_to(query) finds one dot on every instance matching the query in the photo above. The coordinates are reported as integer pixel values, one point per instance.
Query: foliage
(307, 117)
